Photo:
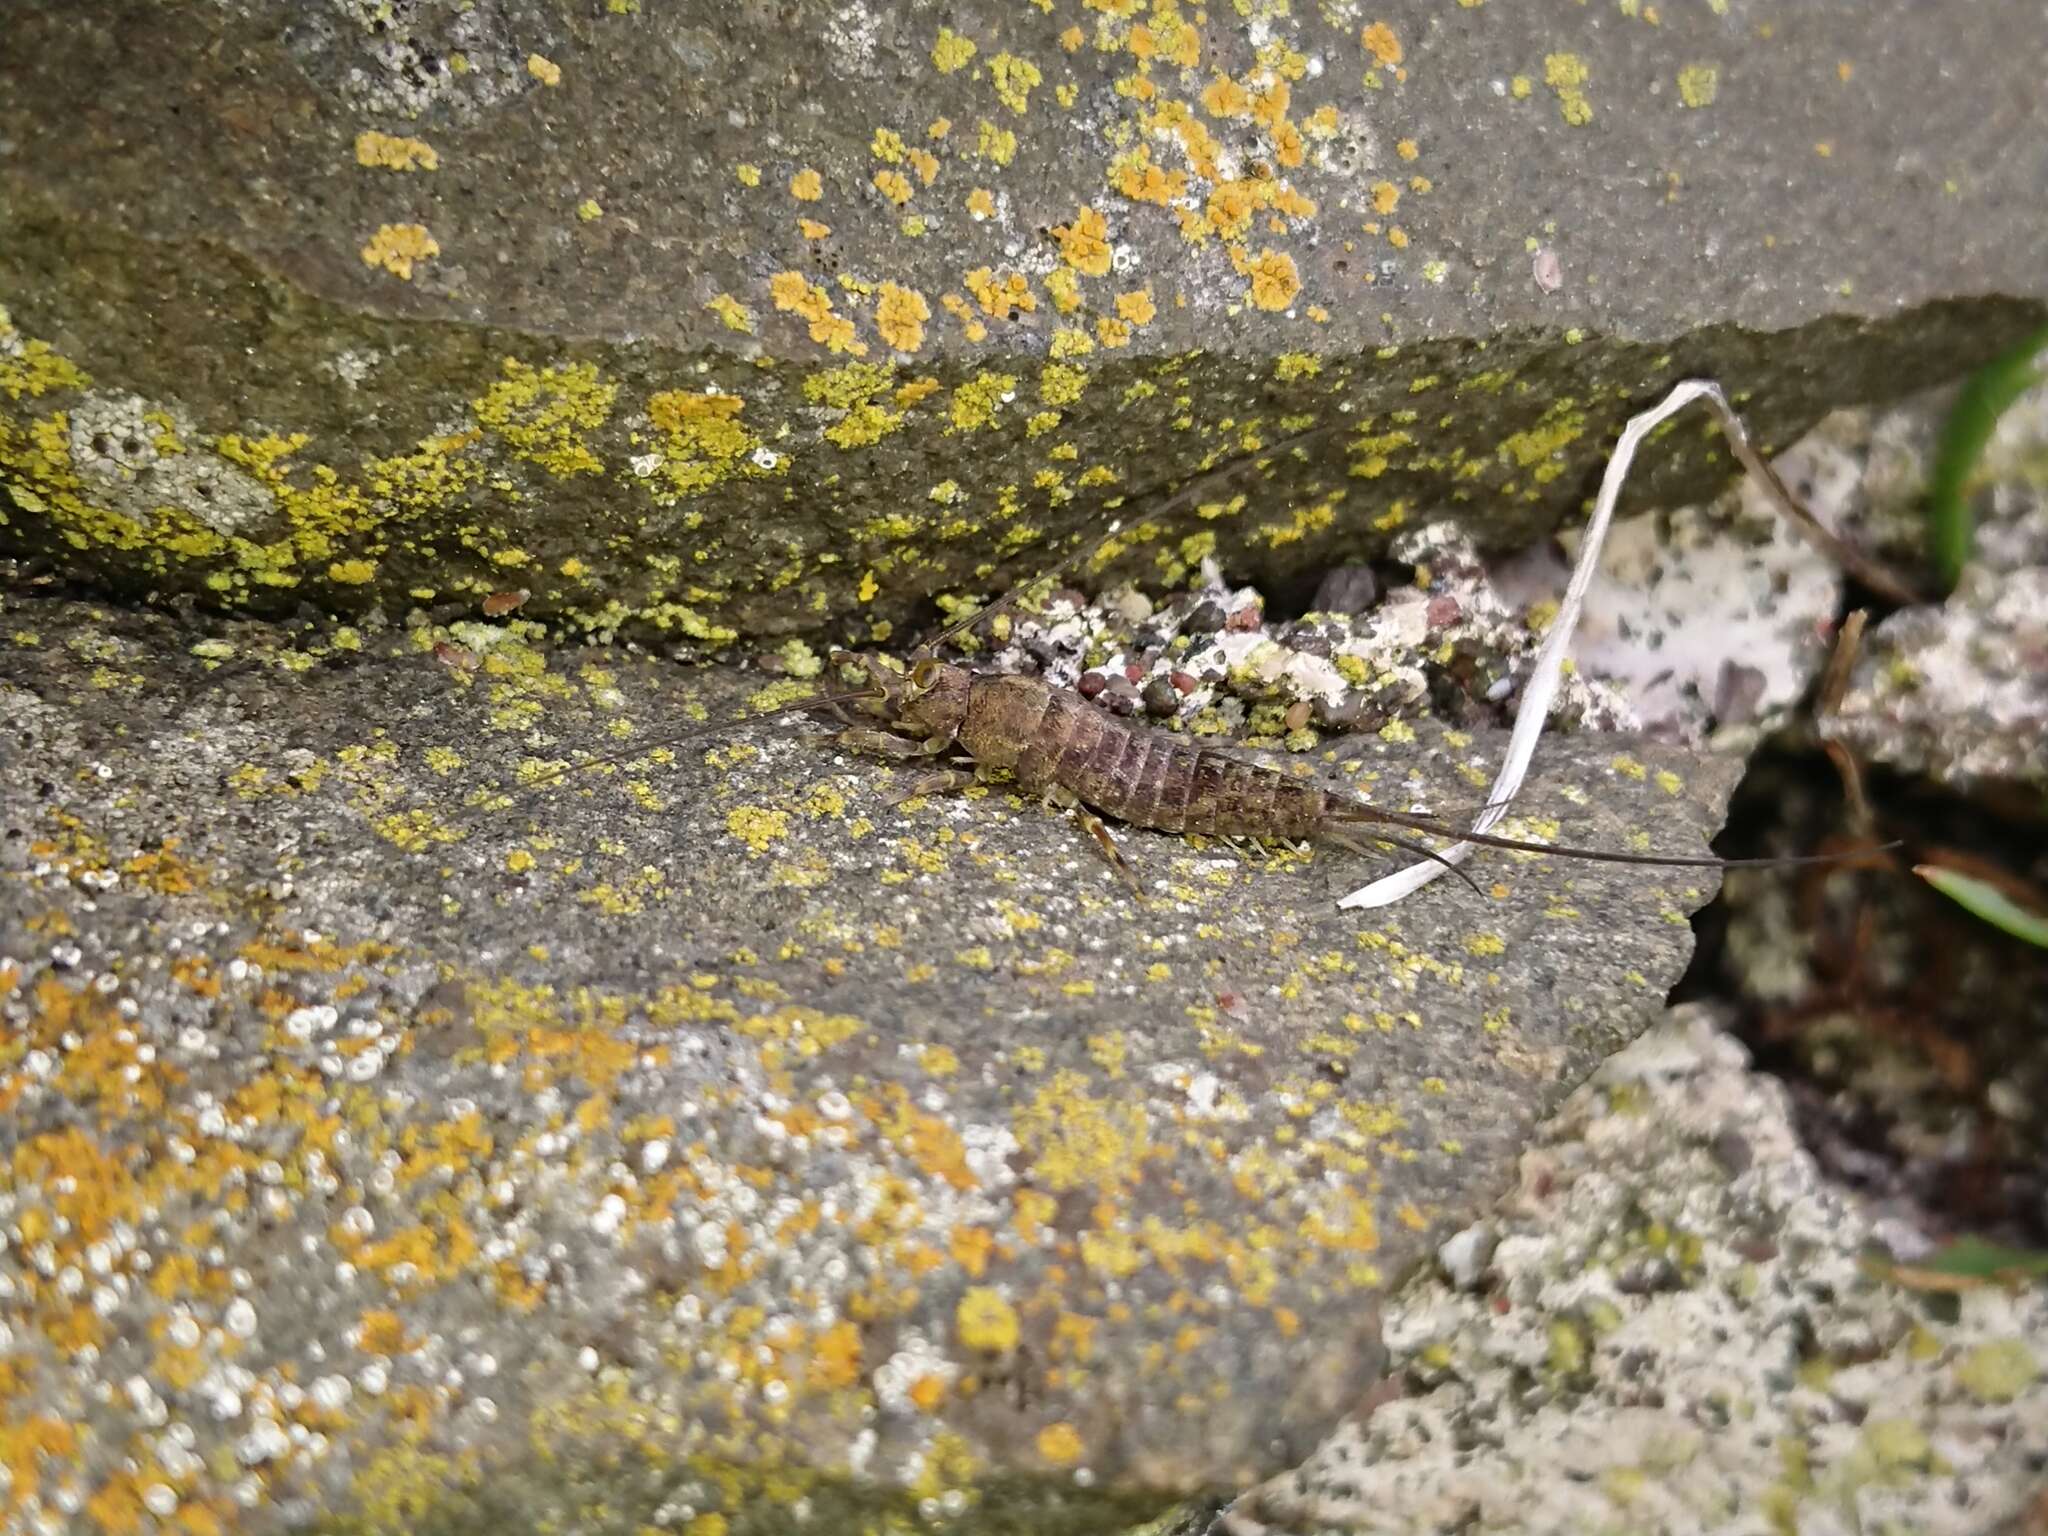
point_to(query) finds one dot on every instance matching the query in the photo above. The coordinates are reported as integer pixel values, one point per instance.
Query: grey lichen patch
(711, 1120)
(134, 458)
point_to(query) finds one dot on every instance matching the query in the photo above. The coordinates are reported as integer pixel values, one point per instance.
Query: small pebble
(1091, 684)
(1465, 1255)
(1342, 713)
(1346, 589)
(1298, 714)
(1184, 683)
(1242, 621)
(1443, 611)
(1161, 698)
(1205, 620)
(1120, 696)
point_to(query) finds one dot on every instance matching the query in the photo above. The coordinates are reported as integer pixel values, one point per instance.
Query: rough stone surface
(1679, 1335)
(712, 1140)
(674, 329)
(1958, 691)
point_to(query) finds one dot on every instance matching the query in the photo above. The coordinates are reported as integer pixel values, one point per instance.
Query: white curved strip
(1548, 668)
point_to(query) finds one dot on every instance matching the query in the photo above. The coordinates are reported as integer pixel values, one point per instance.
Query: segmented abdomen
(1150, 779)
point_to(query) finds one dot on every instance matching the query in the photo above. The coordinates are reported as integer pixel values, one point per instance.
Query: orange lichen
(1085, 243)
(1060, 1444)
(793, 295)
(1137, 178)
(981, 203)
(1136, 307)
(807, 186)
(900, 314)
(1004, 297)
(1381, 43)
(1274, 281)
(1224, 97)
(893, 185)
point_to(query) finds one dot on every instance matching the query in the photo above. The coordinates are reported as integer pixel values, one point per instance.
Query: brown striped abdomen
(1144, 777)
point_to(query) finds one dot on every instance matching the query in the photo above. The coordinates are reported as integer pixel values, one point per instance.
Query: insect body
(1055, 745)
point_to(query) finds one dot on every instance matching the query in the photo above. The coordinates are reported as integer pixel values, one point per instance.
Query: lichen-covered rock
(708, 1145)
(672, 320)
(1678, 1334)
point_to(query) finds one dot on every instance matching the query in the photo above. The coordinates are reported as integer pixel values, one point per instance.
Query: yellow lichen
(737, 316)
(542, 414)
(545, 70)
(1013, 79)
(976, 401)
(997, 144)
(951, 51)
(1566, 74)
(397, 248)
(1061, 384)
(984, 1321)
(395, 154)
(757, 826)
(1698, 84)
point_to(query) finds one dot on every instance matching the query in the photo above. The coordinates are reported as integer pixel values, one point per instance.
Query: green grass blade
(1990, 391)
(1967, 1263)
(1988, 902)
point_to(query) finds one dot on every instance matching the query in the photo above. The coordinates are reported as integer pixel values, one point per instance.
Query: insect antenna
(1369, 815)
(1410, 845)
(1189, 493)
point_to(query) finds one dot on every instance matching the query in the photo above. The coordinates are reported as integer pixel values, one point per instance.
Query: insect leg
(944, 782)
(883, 744)
(1092, 825)
(1060, 797)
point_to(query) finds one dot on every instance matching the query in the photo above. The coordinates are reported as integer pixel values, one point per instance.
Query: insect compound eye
(924, 674)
